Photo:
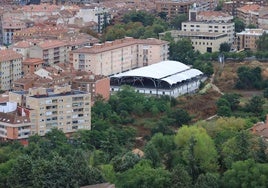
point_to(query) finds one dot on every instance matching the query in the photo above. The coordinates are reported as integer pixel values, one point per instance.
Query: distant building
(263, 18)
(120, 55)
(201, 41)
(247, 39)
(249, 14)
(10, 68)
(174, 8)
(60, 107)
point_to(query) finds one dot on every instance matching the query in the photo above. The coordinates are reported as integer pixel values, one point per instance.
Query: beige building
(263, 18)
(249, 14)
(201, 41)
(211, 27)
(120, 55)
(60, 107)
(51, 51)
(10, 68)
(173, 8)
(247, 39)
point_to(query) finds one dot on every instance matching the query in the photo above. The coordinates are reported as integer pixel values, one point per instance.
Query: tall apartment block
(10, 68)
(120, 55)
(247, 39)
(61, 107)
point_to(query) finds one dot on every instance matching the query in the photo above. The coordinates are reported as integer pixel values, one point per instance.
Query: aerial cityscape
(133, 93)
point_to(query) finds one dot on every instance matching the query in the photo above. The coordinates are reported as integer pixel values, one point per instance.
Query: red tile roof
(7, 55)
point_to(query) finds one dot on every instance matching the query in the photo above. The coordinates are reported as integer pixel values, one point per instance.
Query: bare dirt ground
(202, 106)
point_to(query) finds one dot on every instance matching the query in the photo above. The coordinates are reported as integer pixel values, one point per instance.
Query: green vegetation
(205, 154)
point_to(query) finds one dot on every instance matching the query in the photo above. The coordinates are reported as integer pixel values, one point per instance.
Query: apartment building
(10, 68)
(247, 39)
(231, 7)
(60, 107)
(51, 51)
(23, 48)
(14, 124)
(201, 41)
(249, 14)
(120, 55)
(176, 7)
(211, 27)
(263, 18)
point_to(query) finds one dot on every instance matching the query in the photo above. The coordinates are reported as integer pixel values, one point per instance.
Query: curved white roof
(157, 70)
(170, 71)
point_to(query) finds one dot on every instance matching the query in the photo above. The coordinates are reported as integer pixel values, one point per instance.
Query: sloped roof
(170, 71)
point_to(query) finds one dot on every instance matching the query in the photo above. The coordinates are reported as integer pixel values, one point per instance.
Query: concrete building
(201, 41)
(249, 14)
(14, 124)
(263, 18)
(60, 107)
(211, 27)
(247, 39)
(120, 55)
(10, 68)
(51, 51)
(173, 8)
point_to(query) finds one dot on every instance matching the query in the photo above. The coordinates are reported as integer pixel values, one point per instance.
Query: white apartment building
(120, 55)
(10, 68)
(60, 107)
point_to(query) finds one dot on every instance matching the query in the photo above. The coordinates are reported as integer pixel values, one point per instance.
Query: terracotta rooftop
(13, 118)
(51, 44)
(213, 13)
(40, 8)
(22, 44)
(249, 8)
(7, 55)
(110, 45)
(32, 61)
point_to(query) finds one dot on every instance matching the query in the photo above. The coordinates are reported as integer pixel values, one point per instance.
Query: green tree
(143, 175)
(197, 145)
(265, 93)
(177, 20)
(21, 174)
(225, 47)
(180, 177)
(180, 116)
(262, 42)
(239, 25)
(207, 180)
(124, 162)
(182, 51)
(255, 105)
(246, 174)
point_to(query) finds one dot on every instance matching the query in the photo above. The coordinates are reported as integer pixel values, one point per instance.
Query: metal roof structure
(171, 72)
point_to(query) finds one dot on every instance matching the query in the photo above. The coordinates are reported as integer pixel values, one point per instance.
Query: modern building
(170, 78)
(201, 41)
(246, 40)
(10, 68)
(120, 55)
(60, 107)
(211, 27)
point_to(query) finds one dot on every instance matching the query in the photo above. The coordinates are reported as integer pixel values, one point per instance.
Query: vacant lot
(202, 106)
